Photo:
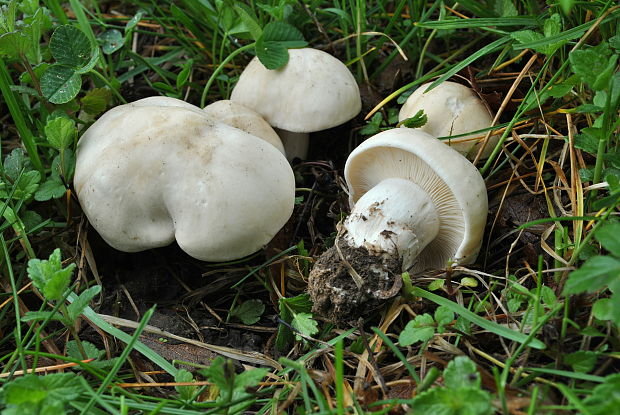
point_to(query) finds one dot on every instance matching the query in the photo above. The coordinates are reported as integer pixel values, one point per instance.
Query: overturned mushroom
(156, 170)
(417, 204)
(314, 91)
(452, 109)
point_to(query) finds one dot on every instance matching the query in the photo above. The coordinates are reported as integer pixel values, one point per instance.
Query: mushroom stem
(295, 144)
(396, 217)
(388, 228)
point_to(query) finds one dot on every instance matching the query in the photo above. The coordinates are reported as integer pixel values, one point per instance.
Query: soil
(334, 292)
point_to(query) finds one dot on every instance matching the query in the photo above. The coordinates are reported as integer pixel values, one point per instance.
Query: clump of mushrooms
(417, 204)
(314, 91)
(452, 109)
(160, 169)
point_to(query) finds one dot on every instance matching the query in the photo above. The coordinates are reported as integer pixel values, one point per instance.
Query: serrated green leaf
(14, 44)
(469, 401)
(586, 142)
(553, 25)
(589, 63)
(596, 273)
(461, 372)
(185, 392)
(604, 399)
(525, 36)
(246, 14)
(443, 316)
(60, 132)
(436, 284)
(272, 46)
(582, 361)
(548, 296)
(111, 40)
(420, 329)
(70, 46)
(614, 42)
(77, 307)
(49, 276)
(506, 8)
(52, 188)
(304, 324)
(92, 352)
(249, 312)
(60, 84)
(15, 162)
(609, 236)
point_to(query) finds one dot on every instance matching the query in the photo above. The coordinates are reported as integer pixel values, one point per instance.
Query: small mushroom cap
(312, 92)
(149, 174)
(452, 109)
(243, 118)
(452, 182)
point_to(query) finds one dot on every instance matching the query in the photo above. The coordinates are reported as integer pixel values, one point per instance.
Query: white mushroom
(417, 204)
(313, 92)
(149, 174)
(452, 109)
(243, 118)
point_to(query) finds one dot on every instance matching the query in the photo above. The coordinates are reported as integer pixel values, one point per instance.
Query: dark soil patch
(334, 292)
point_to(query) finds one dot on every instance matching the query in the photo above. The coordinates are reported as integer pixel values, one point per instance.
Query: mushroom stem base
(334, 291)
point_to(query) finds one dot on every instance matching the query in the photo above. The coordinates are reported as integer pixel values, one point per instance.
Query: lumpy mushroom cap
(241, 117)
(452, 109)
(452, 182)
(312, 92)
(149, 174)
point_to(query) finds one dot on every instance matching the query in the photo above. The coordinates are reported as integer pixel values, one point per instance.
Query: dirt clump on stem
(348, 282)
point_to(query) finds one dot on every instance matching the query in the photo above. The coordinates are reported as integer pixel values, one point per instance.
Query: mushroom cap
(243, 118)
(452, 182)
(452, 109)
(312, 92)
(149, 174)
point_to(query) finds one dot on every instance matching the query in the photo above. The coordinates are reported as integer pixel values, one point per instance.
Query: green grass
(538, 319)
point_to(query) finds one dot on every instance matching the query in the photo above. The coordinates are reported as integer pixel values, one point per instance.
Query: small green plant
(295, 311)
(461, 394)
(37, 395)
(52, 280)
(601, 273)
(423, 327)
(234, 390)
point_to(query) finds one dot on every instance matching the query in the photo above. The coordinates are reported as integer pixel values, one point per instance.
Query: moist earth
(334, 292)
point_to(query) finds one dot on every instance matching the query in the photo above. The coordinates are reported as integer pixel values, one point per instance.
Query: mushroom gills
(396, 217)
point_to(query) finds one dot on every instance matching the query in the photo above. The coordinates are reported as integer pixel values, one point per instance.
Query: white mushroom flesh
(396, 217)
